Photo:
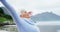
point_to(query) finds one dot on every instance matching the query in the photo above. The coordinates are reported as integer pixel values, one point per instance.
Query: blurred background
(45, 14)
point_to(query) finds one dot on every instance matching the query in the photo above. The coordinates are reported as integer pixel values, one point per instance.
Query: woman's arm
(11, 10)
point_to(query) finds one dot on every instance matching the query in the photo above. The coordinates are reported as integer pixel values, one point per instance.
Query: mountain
(46, 16)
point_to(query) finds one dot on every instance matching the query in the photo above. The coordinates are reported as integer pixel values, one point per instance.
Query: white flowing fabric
(23, 25)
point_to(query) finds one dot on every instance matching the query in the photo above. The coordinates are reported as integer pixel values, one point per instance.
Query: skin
(25, 14)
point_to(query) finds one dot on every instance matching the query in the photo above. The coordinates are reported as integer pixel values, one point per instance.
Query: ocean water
(49, 26)
(44, 26)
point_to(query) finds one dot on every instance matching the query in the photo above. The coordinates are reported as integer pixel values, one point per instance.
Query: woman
(22, 22)
(26, 15)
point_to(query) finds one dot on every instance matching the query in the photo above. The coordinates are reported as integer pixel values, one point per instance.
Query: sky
(36, 6)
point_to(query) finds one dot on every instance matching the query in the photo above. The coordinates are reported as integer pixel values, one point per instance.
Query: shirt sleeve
(29, 21)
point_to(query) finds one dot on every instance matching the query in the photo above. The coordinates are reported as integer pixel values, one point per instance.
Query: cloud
(36, 5)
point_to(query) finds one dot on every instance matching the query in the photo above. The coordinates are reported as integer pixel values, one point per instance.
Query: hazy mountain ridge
(46, 16)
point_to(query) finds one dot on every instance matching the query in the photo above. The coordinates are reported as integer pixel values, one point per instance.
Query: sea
(44, 26)
(48, 26)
